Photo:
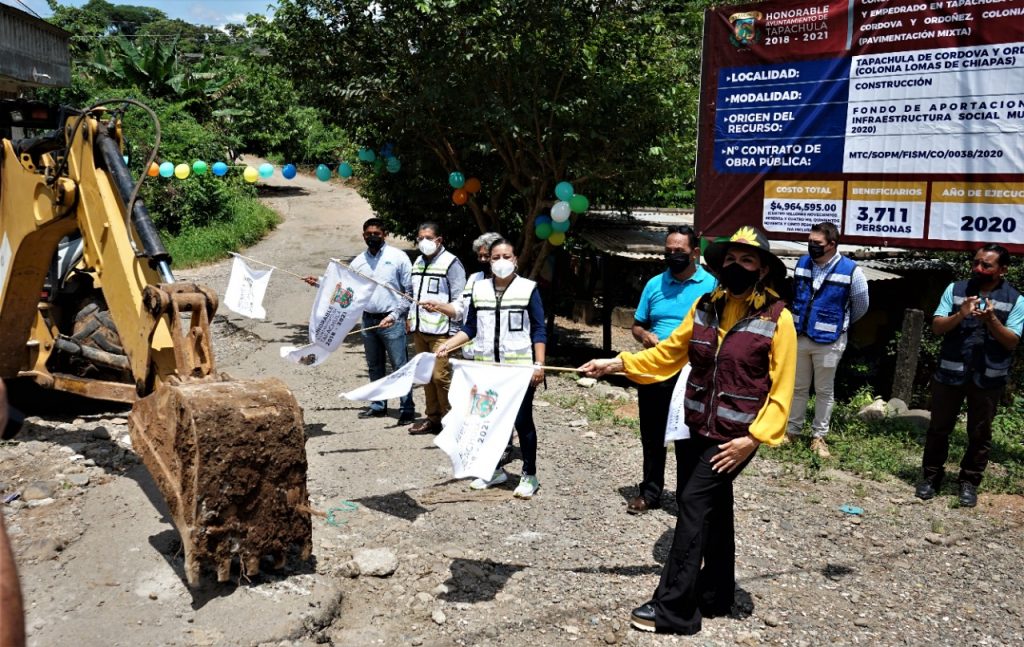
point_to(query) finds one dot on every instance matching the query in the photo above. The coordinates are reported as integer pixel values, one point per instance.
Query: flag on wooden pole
(246, 287)
(418, 370)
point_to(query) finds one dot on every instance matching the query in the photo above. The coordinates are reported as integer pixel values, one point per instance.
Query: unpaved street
(410, 557)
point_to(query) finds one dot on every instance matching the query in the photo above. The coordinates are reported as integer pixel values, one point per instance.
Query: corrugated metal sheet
(33, 53)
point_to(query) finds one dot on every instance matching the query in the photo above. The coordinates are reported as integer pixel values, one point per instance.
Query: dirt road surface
(410, 557)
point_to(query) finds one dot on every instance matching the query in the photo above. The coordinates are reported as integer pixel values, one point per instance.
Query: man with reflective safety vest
(980, 321)
(830, 293)
(437, 276)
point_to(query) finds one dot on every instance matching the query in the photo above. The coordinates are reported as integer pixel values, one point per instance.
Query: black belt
(375, 315)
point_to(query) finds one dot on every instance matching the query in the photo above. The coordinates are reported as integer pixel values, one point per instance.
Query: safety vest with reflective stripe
(462, 307)
(970, 350)
(821, 314)
(728, 384)
(430, 283)
(503, 322)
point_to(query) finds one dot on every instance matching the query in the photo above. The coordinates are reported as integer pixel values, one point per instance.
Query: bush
(250, 221)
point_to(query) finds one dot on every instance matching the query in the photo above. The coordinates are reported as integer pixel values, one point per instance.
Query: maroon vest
(728, 385)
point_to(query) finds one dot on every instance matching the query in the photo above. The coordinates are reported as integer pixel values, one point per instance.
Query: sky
(215, 13)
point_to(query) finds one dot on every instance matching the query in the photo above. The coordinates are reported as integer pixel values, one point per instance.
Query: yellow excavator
(89, 305)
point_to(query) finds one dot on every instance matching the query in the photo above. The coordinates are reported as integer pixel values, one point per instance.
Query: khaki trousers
(437, 389)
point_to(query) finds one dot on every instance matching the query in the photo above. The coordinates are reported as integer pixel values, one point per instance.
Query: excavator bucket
(229, 458)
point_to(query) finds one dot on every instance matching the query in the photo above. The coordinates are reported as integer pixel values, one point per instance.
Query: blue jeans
(390, 342)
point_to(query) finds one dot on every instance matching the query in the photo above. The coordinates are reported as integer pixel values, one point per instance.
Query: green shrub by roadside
(248, 223)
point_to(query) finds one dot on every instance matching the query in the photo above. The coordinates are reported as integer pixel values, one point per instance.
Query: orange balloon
(459, 196)
(472, 185)
(154, 169)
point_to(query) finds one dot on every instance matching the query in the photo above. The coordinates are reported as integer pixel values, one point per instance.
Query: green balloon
(543, 230)
(199, 167)
(579, 203)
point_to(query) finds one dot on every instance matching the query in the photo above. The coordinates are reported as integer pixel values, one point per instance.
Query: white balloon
(560, 211)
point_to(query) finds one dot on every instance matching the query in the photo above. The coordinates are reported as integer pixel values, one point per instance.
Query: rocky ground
(407, 556)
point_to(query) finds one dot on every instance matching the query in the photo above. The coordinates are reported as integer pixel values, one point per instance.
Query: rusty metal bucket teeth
(229, 457)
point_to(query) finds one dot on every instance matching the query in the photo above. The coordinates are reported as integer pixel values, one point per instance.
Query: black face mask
(677, 262)
(374, 243)
(738, 279)
(815, 250)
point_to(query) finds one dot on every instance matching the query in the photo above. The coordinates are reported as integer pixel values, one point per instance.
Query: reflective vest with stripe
(728, 384)
(503, 323)
(430, 283)
(463, 307)
(821, 315)
(970, 350)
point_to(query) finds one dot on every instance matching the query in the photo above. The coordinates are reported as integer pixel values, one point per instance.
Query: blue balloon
(394, 165)
(560, 226)
(564, 191)
(220, 169)
(540, 220)
(266, 170)
(367, 155)
(323, 173)
(166, 169)
(345, 170)
(386, 149)
(288, 171)
(456, 179)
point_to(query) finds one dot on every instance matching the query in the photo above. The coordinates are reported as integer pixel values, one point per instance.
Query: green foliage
(519, 94)
(880, 449)
(250, 221)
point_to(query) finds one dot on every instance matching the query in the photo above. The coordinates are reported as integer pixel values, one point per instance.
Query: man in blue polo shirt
(665, 301)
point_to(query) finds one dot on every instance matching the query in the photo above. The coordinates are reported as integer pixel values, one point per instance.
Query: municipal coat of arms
(482, 404)
(744, 28)
(342, 295)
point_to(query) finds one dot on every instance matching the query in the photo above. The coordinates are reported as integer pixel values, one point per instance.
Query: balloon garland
(553, 228)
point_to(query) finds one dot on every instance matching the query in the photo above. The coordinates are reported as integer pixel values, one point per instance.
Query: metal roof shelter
(33, 53)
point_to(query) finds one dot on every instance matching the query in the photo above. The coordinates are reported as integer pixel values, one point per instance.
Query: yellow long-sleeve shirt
(670, 355)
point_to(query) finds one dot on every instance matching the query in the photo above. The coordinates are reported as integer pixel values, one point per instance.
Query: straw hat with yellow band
(753, 238)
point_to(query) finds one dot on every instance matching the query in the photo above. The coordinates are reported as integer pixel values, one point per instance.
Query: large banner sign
(901, 121)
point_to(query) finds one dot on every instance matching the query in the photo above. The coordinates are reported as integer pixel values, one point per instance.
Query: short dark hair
(432, 226)
(686, 230)
(502, 241)
(829, 229)
(374, 222)
(1004, 254)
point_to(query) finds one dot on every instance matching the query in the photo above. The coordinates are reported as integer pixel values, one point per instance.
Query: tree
(519, 93)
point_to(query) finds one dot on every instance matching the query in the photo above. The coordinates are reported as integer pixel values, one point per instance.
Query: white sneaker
(497, 478)
(527, 487)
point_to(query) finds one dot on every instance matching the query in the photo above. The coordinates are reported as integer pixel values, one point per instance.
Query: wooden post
(607, 302)
(907, 353)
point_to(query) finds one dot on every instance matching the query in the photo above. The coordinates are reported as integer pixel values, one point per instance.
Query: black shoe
(924, 491)
(968, 495)
(406, 418)
(373, 413)
(642, 617)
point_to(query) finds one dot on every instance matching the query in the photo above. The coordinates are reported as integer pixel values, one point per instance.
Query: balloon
(367, 155)
(289, 171)
(394, 165)
(199, 167)
(579, 203)
(459, 196)
(387, 149)
(542, 230)
(541, 219)
(266, 170)
(166, 169)
(560, 226)
(323, 173)
(220, 169)
(564, 191)
(250, 174)
(472, 185)
(345, 170)
(182, 171)
(154, 169)
(456, 179)
(556, 238)
(560, 211)
(125, 158)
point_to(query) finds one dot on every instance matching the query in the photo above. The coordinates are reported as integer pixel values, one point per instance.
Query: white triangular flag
(418, 370)
(676, 428)
(338, 306)
(485, 399)
(246, 287)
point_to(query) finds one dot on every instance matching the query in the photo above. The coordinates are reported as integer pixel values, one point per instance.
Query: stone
(934, 538)
(440, 589)
(438, 617)
(623, 317)
(38, 503)
(348, 569)
(874, 411)
(590, 435)
(81, 480)
(862, 622)
(37, 490)
(586, 382)
(896, 406)
(610, 392)
(100, 433)
(610, 638)
(378, 562)
(772, 620)
(920, 418)
(579, 423)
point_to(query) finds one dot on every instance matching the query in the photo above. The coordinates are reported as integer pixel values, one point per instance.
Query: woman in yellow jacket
(741, 344)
